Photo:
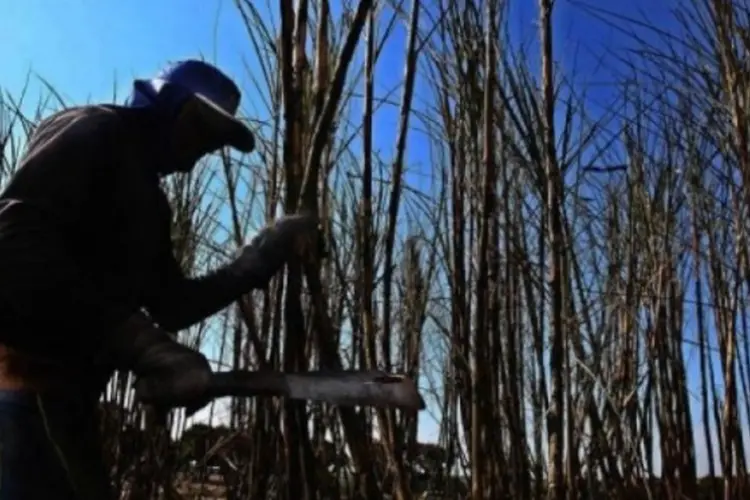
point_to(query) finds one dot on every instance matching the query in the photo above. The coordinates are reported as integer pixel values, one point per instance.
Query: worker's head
(201, 103)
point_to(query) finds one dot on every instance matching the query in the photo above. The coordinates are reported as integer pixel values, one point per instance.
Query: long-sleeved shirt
(85, 237)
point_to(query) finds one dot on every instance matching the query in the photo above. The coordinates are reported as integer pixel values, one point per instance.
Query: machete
(344, 388)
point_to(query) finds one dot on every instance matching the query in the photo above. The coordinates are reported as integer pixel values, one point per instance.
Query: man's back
(72, 210)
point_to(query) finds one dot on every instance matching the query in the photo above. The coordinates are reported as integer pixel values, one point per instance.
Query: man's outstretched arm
(176, 302)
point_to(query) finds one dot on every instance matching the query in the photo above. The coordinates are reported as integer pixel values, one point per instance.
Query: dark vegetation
(571, 292)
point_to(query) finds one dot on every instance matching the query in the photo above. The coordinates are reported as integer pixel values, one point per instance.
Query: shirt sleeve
(176, 301)
(42, 287)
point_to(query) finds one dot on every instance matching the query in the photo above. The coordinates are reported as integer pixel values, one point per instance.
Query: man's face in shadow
(193, 136)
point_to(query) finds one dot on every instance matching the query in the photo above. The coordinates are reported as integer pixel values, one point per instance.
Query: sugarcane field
(365, 250)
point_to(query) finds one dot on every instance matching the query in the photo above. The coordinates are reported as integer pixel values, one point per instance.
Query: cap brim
(237, 134)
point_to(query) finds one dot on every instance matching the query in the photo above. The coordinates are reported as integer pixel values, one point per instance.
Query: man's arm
(176, 302)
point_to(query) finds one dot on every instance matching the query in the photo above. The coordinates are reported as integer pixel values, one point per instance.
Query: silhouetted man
(88, 280)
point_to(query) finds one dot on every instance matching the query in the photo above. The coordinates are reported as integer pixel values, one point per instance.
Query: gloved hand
(168, 374)
(290, 237)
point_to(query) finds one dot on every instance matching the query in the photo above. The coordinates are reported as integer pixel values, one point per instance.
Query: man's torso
(93, 230)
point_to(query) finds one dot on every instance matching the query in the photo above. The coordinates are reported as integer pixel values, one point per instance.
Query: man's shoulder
(82, 119)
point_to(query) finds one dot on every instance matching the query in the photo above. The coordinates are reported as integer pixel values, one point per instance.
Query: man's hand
(171, 375)
(291, 237)
(168, 374)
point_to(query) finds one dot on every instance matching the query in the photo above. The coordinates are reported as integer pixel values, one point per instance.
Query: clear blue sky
(85, 48)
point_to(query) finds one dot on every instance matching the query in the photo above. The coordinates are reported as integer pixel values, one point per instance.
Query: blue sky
(86, 48)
